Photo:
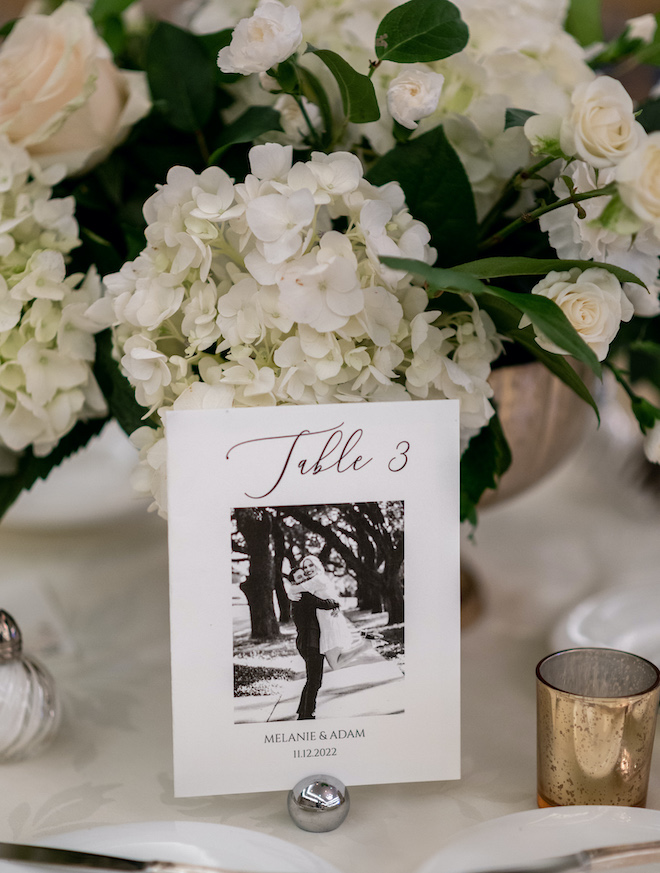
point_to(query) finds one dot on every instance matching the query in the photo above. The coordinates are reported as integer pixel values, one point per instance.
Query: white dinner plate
(543, 833)
(627, 619)
(90, 487)
(190, 842)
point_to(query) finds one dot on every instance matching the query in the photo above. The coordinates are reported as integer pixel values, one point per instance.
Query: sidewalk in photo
(370, 685)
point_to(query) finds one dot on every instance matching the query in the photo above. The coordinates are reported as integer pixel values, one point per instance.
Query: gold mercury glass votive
(596, 716)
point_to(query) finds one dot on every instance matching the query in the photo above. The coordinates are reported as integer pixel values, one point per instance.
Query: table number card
(315, 607)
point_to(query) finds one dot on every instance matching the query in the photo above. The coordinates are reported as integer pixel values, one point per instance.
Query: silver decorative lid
(11, 643)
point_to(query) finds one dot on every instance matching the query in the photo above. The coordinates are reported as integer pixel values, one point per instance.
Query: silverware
(73, 858)
(606, 858)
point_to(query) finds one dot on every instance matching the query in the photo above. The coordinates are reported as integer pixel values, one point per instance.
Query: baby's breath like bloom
(247, 295)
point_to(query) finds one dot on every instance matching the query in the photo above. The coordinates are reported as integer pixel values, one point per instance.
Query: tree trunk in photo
(280, 553)
(369, 593)
(255, 527)
(393, 590)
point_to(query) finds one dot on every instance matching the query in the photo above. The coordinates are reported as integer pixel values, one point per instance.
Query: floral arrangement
(46, 338)
(313, 203)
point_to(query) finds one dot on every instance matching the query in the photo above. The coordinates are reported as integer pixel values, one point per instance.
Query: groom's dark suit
(307, 643)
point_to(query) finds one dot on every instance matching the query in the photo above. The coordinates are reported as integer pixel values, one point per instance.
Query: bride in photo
(340, 640)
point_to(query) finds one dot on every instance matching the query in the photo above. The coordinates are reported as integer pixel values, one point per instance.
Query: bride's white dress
(336, 631)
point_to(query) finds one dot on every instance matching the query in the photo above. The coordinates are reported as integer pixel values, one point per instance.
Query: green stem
(312, 130)
(530, 217)
(515, 182)
(373, 66)
(203, 147)
(618, 375)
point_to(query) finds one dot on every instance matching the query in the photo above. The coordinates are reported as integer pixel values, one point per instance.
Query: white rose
(594, 303)
(61, 96)
(414, 94)
(269, 36)
(638, 181)
(643, 27)
(601, 129)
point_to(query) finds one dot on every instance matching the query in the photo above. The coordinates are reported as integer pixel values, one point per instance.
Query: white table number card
(315, 605)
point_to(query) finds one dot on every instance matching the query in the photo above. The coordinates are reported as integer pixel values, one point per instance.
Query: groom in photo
(303, 610)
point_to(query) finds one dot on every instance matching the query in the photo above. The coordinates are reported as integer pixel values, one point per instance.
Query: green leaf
(483, 463)
(649, 117)
(113, 32)
(648, 347)
(544, 313)
(181, 76)
(505, 314)
(421, 31)
(439, 279)
(549, 320)
(496, 268)
(506, 319)
(645, 412)
(432, 176)
(313, 90)
(213, 42)
(401, 133)
(516, 117)
(619, 218)
(104, 9)
(30, 469)
(100, 250)
(7, 28)
(584, 21)
(252, 123)
(118, 392)
(286, 75)
(645, 362)
(558, 366)
(358, 95)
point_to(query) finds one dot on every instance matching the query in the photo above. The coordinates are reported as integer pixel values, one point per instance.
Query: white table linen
(112, 762)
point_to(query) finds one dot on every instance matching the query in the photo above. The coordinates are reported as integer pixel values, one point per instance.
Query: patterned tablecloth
(582, 531)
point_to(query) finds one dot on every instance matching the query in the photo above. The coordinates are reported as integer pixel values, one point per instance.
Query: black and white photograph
(318, 611)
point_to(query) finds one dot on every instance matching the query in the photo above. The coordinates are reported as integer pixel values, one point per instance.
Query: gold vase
(544, 422)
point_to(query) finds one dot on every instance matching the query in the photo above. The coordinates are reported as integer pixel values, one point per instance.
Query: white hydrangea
(518, 56)
(46, 325)
(585, 238)
(254, 299)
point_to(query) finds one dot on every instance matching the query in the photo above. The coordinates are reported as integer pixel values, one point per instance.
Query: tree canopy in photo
(361, 540)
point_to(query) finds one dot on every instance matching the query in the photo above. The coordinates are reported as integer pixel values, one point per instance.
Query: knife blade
(73, 858)
(602, 858)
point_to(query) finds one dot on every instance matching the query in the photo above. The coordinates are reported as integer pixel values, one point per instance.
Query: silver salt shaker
(29, 707)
